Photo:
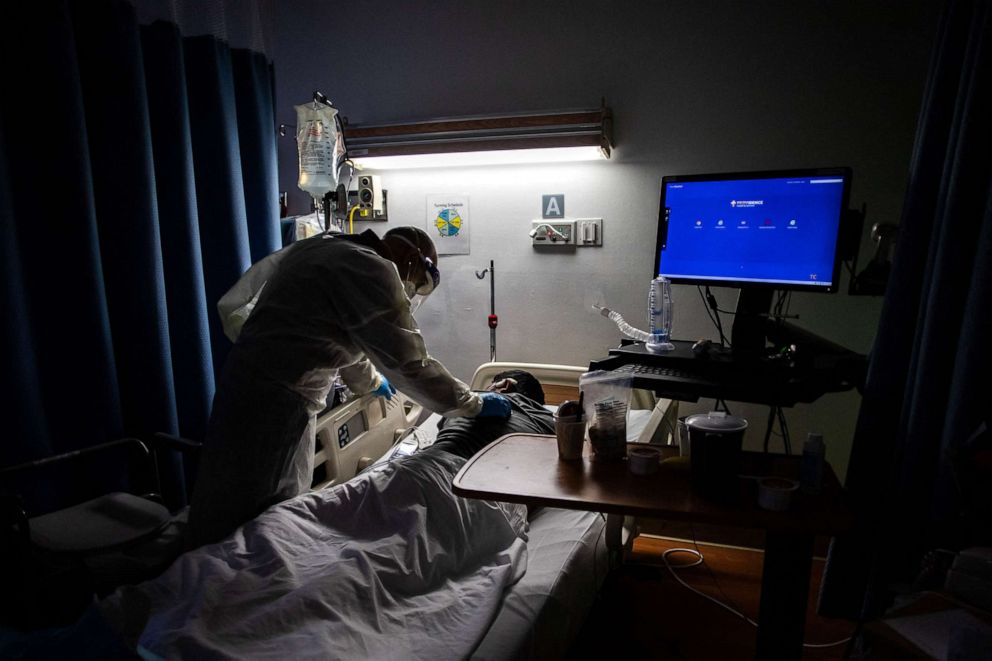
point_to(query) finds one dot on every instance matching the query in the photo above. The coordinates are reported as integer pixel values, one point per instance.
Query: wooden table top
(524, 468)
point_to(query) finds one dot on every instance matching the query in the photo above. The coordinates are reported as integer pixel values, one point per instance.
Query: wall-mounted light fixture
(549, 137)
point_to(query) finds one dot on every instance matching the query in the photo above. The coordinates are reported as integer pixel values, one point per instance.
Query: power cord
(713, 312)
(709, 312)
(709, 570)
(778, 413)
(711, 300)
(700, 561)
(783, 307)
(785, 430)
(852, 641)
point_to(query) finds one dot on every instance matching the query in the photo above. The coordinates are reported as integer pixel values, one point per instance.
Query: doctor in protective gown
(325, 306)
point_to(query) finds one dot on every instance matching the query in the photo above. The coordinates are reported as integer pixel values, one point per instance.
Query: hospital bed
(360, 562)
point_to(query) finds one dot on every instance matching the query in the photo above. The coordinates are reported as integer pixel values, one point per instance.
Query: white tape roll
(643, 461)
(775, 493)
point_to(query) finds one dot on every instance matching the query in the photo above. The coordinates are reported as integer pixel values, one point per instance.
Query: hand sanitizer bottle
(811, 468)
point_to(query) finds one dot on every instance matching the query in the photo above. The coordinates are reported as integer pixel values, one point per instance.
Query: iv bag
(319, 146)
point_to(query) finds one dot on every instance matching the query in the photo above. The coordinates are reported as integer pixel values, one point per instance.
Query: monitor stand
(747, 336)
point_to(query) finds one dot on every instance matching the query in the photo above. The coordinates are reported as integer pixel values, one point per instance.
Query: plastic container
(606, 397)
(811, 467)
(775, 493)
(570, 431)
(715, 442)
(659, 316)
(644, 461)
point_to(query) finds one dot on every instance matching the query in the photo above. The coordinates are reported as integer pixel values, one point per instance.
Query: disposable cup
(571, 435)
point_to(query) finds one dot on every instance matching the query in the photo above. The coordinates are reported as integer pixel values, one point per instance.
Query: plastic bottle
(659, 316)
(811, 468)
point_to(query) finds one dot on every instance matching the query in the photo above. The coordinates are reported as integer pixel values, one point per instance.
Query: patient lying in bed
(390, 564)
(466, 436)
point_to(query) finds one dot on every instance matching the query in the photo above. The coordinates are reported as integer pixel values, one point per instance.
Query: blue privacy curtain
(920, 466)
(138, 181)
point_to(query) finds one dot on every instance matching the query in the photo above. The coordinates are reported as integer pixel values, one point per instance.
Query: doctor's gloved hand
(385, 389)
(494, 405)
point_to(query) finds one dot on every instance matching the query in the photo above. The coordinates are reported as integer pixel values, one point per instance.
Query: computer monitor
(757, 231)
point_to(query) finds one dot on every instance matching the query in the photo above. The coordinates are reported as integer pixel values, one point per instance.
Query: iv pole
(493, 319)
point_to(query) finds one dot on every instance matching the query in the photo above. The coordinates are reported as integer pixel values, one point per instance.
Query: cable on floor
(699, 561)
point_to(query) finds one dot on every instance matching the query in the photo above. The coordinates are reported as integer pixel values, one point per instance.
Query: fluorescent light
(549, 137)
(472, 158)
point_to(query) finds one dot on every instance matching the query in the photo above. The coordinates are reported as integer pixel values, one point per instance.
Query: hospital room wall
(694, 87)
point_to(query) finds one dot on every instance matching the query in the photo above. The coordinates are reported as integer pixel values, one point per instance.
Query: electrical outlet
(552, 232)
(588, 231)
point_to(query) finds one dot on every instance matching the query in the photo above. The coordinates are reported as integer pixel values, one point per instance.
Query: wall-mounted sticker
(553, 206)
(447, 223)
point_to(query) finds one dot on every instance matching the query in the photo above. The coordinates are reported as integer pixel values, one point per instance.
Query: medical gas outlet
(554, 233)
(578, 232)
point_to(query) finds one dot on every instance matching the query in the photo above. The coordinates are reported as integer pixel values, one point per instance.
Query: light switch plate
(588, 232)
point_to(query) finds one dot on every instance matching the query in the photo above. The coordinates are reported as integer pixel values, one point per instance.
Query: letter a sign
(553, 206)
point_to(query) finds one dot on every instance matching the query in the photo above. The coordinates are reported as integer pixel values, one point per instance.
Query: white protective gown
(323, 306)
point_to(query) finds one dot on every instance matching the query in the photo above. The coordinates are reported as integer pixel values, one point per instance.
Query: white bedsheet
(390, 565)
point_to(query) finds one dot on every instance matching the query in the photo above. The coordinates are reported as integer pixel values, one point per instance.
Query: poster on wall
(448, 224)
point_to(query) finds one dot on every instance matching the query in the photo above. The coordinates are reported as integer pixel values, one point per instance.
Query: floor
(644, 612)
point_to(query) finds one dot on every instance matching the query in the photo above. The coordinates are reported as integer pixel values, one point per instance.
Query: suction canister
(715, 441)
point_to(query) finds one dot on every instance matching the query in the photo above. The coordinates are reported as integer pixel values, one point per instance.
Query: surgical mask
(416, 301)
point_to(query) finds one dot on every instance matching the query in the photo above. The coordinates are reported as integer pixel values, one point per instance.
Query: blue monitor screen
(775, 229)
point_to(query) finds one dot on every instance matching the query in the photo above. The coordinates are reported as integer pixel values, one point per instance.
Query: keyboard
(654, 370)
(671, 379)
(685, 376)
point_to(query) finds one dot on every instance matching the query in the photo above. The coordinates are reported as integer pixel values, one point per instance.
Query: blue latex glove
(494, 405)
(385, 389)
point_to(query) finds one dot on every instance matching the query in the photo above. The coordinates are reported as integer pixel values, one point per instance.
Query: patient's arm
(466, 436)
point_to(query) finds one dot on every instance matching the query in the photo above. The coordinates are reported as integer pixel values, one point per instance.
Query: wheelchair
(60, 562)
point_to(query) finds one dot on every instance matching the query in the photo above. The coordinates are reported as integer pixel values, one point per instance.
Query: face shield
(422, 276)
(419, 293)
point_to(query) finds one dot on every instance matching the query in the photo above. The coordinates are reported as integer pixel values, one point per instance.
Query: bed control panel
(353, 435)
(351, 429)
